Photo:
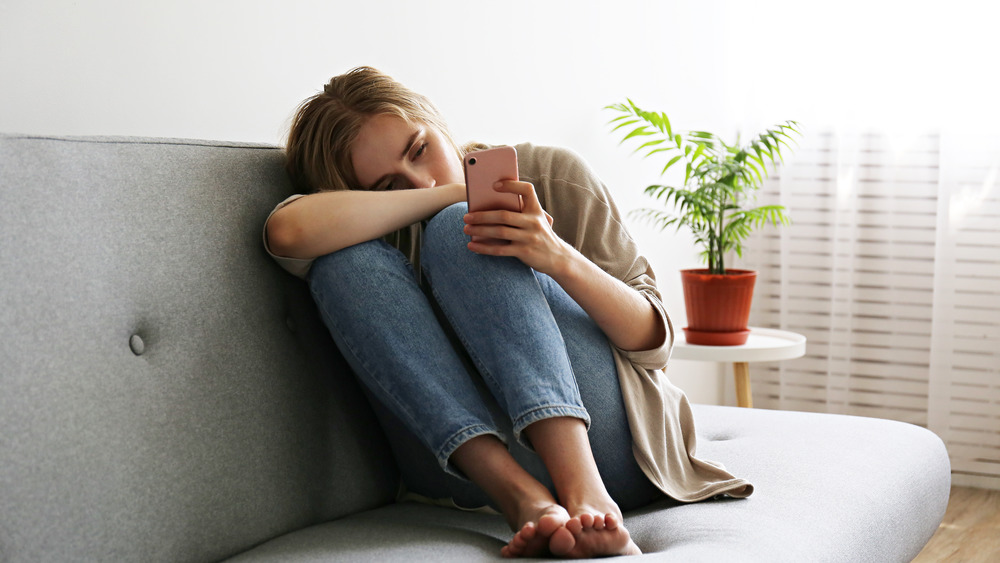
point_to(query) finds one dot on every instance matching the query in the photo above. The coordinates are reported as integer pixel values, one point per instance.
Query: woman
(563, 419)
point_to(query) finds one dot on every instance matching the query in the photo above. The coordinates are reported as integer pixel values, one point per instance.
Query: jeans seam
(364, 364)
(466, 345)
(410, 421)
(576, 411)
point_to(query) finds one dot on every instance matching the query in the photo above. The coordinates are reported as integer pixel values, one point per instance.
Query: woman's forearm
(626, 317)
(325, 222)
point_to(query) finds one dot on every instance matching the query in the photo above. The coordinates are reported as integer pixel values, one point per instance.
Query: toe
(574, 525)
(517, 544)
(527, 532)
(547, 525)
(562, 542)
(611, 522)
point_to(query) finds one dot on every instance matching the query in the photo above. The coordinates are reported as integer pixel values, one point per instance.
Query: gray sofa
(167, 393)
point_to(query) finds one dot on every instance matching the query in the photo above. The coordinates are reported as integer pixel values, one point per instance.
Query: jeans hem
(542, 413)
(459, 438)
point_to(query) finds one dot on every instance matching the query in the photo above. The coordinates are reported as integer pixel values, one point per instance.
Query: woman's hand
(527, 235)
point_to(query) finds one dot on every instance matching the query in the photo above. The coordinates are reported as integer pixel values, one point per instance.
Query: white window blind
(891, 268)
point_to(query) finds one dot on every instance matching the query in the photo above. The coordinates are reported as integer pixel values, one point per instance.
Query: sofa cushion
(167, 393)
(827, 488)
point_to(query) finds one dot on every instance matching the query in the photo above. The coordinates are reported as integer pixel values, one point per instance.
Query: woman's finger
(529, 200)
(530, 207)
(500, 232)
(495, 217)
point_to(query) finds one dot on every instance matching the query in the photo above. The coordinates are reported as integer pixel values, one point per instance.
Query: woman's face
(393, 154)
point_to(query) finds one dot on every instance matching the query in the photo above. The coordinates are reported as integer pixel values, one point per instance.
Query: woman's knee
(449, 217)
(363, 264)
(444, 234)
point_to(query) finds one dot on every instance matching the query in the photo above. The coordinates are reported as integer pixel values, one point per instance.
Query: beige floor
(970, 531)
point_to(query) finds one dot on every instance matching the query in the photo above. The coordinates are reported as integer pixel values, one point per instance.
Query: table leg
(741, 372)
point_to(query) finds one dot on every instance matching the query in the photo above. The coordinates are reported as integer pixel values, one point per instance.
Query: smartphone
(485, 168)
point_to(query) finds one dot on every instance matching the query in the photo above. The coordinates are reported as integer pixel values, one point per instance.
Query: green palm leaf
(719, 179)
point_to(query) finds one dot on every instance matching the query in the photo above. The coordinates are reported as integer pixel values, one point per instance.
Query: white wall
(502, 72)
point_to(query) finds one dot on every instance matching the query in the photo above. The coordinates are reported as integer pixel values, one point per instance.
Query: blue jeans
(496, 347)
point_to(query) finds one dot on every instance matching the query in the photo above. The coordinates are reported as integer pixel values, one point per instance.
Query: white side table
(763, 345)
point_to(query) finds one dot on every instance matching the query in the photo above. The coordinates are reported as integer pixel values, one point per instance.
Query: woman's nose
(421, 181)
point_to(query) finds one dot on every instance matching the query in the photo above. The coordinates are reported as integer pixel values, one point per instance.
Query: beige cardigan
(585, 216)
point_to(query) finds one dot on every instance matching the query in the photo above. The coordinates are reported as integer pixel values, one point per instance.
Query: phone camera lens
(472, 160)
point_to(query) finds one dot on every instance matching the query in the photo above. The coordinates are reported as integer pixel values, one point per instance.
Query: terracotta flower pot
(718, 306)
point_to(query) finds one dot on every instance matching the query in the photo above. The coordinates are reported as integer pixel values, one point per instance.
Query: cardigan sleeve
(298, 267)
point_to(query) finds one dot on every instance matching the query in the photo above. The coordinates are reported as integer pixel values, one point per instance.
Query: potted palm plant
(715, 203)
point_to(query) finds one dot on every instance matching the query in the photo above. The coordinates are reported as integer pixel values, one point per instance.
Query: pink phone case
(485, 168)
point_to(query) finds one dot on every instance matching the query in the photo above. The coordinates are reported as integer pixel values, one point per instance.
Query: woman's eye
(421, 150)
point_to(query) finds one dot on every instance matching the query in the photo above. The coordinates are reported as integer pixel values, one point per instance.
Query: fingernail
(498, 185)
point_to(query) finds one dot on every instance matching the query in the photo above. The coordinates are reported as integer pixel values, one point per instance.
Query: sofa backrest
(167, 393)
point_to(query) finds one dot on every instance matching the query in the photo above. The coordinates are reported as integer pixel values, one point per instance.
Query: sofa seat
(827, 488)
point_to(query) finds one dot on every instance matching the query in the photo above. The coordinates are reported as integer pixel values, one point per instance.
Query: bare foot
(532, 538)
(590, 535)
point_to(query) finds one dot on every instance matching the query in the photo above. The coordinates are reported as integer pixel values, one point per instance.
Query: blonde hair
(325, 126)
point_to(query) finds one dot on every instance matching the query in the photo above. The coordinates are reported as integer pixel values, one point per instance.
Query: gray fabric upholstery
(230, 428)
(828, 488)
(167, 393)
